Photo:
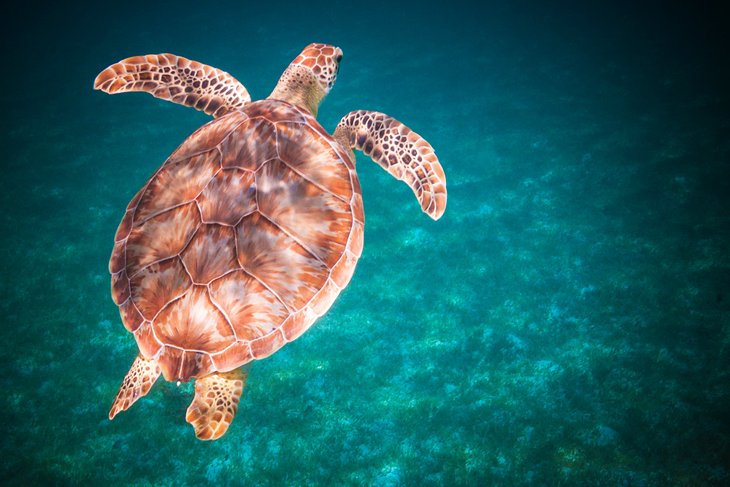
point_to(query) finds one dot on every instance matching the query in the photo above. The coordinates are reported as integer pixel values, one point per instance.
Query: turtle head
(310, 77)
(323, 61)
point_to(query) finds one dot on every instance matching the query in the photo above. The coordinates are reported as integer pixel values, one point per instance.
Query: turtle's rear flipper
(215, 403)
(400, 151)
(175, 79)
(136, 384)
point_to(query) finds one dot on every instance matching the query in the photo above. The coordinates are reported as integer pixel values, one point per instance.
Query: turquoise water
(566, 322)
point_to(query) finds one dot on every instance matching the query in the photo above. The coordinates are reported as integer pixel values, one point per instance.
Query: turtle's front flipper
(137, 383)
(215, 403)
(400, 151)
(175, 79)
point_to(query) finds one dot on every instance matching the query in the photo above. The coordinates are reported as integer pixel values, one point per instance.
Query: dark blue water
(567, 322)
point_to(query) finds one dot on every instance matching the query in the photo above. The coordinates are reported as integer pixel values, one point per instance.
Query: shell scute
(276, 112)
(131, 317)
(208, 136)
(238, 151)
(325, 297)
(342, 272)
(192, 322)
(118, 260)
(229, 196)
(298, 323)
(234, 356)
(157, 284)
(147, 342)
(177, 183)
(210, 254)
(266, 345)
(120, 287)
(161, 237)
(125, 226)
(253, 310)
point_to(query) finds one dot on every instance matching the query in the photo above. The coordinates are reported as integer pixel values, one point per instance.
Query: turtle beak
(337, 58)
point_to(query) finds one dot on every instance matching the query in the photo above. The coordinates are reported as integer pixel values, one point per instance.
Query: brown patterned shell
(239, 242)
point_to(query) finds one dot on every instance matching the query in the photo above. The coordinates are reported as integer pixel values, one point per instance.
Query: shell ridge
(260, 281)
(220, 308)
(169, 302)
(187, 243)
(165, 210)
(269, 288)
(311, 181)
(290, 235)
(205, 186)
(188, 155)
(169, 345)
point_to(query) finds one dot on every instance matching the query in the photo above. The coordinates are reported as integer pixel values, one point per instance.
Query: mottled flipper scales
(175, 79)
(215, 404)
(400, 151)
(137, 383)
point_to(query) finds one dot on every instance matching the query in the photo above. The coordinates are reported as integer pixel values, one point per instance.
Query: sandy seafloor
(567, 322)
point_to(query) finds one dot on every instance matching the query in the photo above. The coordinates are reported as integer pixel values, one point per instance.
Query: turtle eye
(338, 58)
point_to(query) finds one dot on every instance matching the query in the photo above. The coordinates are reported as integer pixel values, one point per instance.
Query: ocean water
(567, 322)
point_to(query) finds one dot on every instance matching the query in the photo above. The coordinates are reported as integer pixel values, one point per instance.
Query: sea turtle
(250, 229)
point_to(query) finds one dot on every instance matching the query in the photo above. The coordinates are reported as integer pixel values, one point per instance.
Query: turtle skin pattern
(239, 241)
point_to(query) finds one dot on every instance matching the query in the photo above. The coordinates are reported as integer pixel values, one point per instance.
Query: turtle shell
(234, 247)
